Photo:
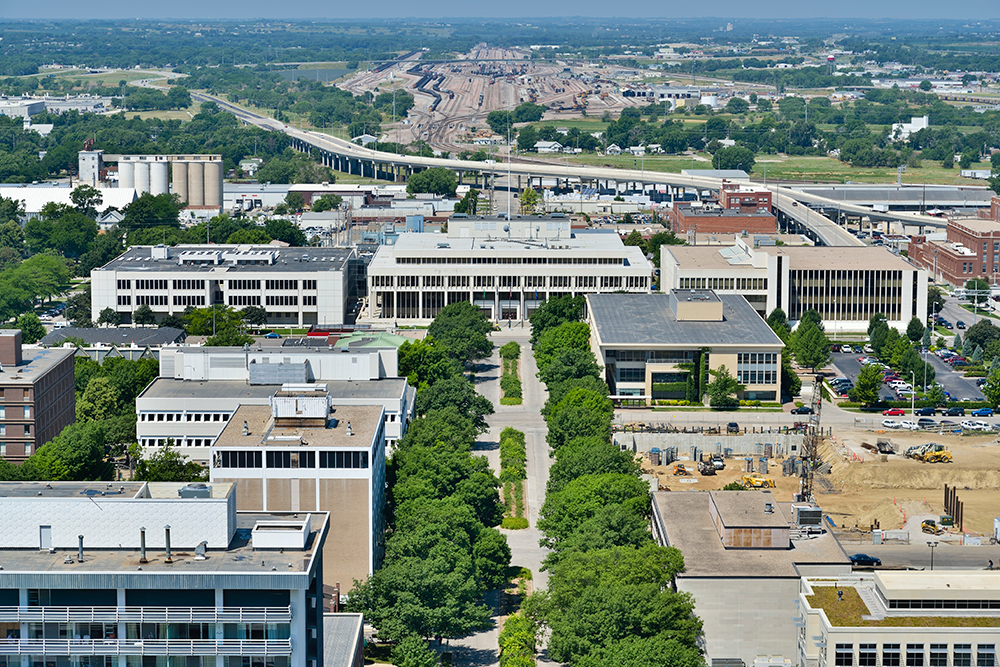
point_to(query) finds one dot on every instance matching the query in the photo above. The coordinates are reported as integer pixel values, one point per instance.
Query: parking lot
(954, 382)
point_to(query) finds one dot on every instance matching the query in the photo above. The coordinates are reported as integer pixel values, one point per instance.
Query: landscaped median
(513, 473)
(510, 381)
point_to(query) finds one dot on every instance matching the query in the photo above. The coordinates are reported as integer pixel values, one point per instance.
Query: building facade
(846, 286)
(692, 218)
(938, 617)
(650, 345)
(296, 286)
(972, 250)
(38, 395)
(93, 576)
(301, 453)
(507, 268)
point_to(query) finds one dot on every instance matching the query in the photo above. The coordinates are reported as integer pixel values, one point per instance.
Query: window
(281, 284)
(189, 284)
(308, 284)
(124, 300)
(344, 459)
(244, 284)
(27, 410)
(962, 656)
(237, 459)
(244, 300)
(914, 655)
(308, 301)
(890, 655)
(867, 655)
(124, 284)
(986, 655)
(151, 299)
(150, 284)
(631, 374)
(844, 655)
(281, 300)
(939, 655)
(757, 368)
(190, 299)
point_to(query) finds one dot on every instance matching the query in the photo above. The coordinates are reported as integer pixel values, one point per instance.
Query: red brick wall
(746, 202)
(952, 267)
(682, 222)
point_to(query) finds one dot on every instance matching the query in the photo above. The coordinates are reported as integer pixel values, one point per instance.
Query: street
(918, 555)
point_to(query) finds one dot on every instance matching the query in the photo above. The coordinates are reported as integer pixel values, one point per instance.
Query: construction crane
(810, 444)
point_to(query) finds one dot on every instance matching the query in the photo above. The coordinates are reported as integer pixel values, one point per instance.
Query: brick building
(972, 250)
(745, 199)
(685, 218)
(37, 395)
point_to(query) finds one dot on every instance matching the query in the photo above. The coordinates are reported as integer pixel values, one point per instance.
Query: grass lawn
(166, 114)
(665, 163)
(829, 169)
(848, 613)
(979, 311)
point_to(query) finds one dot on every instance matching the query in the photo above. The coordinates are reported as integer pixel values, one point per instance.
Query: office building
(693, 218)
(846, 286)
(650, 343)
(136, 573)
(200, 388)
(744, 556)
(38, 395)
(506, 268)
(302, 453)
(296, 286)
(933, 617)
(972, 250)
(745, 198)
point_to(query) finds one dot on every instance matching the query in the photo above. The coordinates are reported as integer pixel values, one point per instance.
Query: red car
(894, 412)
(890, 378)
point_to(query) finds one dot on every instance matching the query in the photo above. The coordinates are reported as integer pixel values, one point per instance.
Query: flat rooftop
(978, 225)
(687, 524)
(105, 490)
(383, 389)
(116, 335)
(35, 363)
(238, 558)
(748, 509)
(364, 421)
(939, 584)
(646, 320)
(287, 260)
(802, 257)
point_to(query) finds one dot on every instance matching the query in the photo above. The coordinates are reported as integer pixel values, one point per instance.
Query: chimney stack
(10, 347)
(79, 552)
(167, 531)
(142, 545)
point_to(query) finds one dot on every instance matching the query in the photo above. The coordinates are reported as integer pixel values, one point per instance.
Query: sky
(304, 9)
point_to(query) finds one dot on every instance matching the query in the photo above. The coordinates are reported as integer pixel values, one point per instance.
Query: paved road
(954, 381)
(918, 555)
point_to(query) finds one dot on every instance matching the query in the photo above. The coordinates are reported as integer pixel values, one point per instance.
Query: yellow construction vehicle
(757, 481)
(679, 469)
(934, 454)
(931, 526)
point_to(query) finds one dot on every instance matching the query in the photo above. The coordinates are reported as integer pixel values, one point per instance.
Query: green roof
(371, 339)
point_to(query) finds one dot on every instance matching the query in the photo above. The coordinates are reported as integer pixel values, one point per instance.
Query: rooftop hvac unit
(807, 515)
(195, 490)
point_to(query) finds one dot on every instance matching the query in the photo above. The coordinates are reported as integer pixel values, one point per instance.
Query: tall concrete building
(38, 395)
(303, 454)
(135, 573)
(296, 286)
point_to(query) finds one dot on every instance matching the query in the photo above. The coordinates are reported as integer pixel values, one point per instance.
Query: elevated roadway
(344, 156)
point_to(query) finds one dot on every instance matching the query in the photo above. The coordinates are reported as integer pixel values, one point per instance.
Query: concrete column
(196, 184)
(142, 176)
(220, 602)
(122, 630)
(158, 181)
(126, 174)
(298, 629)
(213, 184)
(180, 174)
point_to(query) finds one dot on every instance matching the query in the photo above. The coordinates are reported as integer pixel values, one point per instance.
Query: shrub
(510, 351)
(514, 523)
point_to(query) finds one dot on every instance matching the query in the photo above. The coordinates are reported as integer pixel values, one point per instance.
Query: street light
(913, 390)
(932, 546)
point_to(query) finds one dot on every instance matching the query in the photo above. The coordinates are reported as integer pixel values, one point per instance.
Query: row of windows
(291, 300)
(124, 300)
(636, 281)
(943, 604)
(189, 284)
(244, 284)
(308, 300)
(757, 368)
(867, 655)
(189, 300)
(631, 374)
(613, 261)
(124, 284)
(508, 281)
(187, 442)
(308, 284)
(658, 356)
(742, 284)
(151, 299)
(243, 300)
(179, 416)
(150, 284)
(281, 284)
(291, 459)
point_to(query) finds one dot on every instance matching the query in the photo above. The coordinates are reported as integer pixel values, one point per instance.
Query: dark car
(864, 560)
(926, 423)
(804, 410)
(959, 363)
(925, 412)
(960, 324)
(947, 325)
(954, 412)
(733, 427)
(272, 335)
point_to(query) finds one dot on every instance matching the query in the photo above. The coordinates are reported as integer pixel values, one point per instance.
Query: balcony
(145, 614)
(224, 647)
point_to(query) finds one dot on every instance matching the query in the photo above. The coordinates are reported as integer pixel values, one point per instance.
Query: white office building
(296, 286)
(846, 286)
(136, 573)
(506, 268)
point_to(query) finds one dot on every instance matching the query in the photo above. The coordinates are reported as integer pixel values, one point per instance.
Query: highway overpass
(342, 155)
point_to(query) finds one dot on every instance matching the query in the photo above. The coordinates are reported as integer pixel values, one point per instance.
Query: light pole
(913, 391)
(932, 546)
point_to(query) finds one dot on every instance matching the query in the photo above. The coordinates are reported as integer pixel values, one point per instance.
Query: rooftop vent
(195, 490)
(291, 534)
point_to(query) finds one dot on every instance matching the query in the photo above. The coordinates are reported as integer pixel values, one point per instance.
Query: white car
(868, 349)
(890, 423)
(909, 425)
(982, 426)
(846, 349)
(968, 425)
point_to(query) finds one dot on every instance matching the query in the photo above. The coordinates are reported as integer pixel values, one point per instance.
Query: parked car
(804, 410)
(894, 412)
(868, 349)
(846, 349)
(864, 560)
(980, 382)
(925, 412)
(982, 412)
(946, 424)
(890, 423)
(969, 425)
(732, 427)
(835, 348)
(982, 426)
(954, 412)
(272, 335)
(960, 324)
(924, 422)
(909, 425)
(960, 362)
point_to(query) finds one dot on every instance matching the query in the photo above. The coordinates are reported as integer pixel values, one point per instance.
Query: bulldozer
(757, 481)
(706, 468)
(680, 470)
(934, 454)
(931, 526)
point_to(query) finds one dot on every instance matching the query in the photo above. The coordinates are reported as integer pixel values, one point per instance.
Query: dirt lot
(861, 489)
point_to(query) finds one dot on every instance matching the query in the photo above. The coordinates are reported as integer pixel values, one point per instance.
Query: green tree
(166, 464)
(110, 317)
(295, 201)
(564, 511)
(436, 180)
(589, 455)
(915, 329)
(412, 651)
(32, 329)
(778, 322)
(255, 315)
(566, 336)
(737, 105)
(86, 199)
(229, 336)
(935, 299)
(152, 211)
(143, 315)
(581, 412)
(554, 312)
(491, 557)
(810, 345)
(12, 236)
(286, 232)
(926, 85)
(255, 236)
(526, 138)
(978, 289)
(734, 157)
(327, 202)
(869, 384)
(936, 395)
(469, 204)
(723, 389)
(76, 454)
(530, 199)
(956, 342)
(569, 364)
(925, 340)
(991, 390)
(462, 329)
(99, 401)
(424, 362)
(456, 391)
(982, 333)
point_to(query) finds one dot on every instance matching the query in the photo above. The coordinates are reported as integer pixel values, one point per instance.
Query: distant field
(827, 169)
(171, 114)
